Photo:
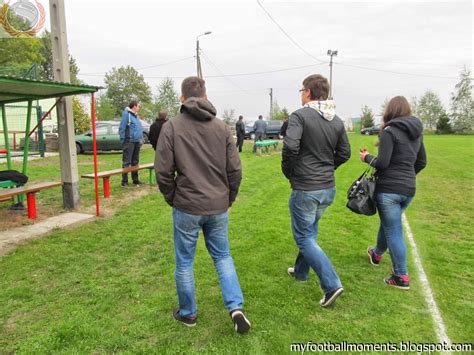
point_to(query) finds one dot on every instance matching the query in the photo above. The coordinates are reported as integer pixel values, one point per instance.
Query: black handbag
(361, 194)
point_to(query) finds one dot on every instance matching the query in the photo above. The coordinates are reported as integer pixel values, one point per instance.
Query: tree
(19, 52)
(82, 121)
(46, 66)
(229, 117)
(430, 109)
(104, 109)
(125, 84)
(367, 117)
(168, 98)
(462, 105)
(443, 126)
(414, 106)
(279, 114)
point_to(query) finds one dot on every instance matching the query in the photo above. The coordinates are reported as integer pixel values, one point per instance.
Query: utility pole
(331, 54)
(271, 103)
(198, 58)
(67, 143)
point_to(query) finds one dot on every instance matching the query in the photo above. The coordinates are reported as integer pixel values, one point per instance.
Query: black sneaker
(241, 323)
(137, 183)
(373, 257)
(402, 282)
(187, 321)
(291, 272)
(330, 297)
(124, 184)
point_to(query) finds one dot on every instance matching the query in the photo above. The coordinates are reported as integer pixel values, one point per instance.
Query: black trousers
(240, 142)
(130, 157)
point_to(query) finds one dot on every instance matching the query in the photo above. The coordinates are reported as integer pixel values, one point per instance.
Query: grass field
(108, 286)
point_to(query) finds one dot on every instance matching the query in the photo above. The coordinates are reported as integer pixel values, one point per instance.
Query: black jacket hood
(199, 108)
(411, 125)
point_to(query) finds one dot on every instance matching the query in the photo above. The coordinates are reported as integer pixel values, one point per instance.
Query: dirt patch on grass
(13, 219)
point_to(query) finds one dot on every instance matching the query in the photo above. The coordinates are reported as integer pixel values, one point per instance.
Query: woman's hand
(363, 152)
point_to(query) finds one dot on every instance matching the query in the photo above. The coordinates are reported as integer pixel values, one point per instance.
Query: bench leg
(31, 203)
(106, 187)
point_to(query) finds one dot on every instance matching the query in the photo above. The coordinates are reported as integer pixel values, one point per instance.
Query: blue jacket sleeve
(123, 125)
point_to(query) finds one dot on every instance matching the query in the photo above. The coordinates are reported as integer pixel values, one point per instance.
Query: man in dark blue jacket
(131, 136)
(314, 146)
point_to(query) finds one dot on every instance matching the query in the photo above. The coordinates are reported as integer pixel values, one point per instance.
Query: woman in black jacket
(401, 156)
(155, 128)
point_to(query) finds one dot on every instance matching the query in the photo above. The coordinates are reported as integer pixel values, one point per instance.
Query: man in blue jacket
(131, 136)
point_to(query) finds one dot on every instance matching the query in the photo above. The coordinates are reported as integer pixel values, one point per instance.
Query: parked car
(370, 130)
(146, 130)
(108, 137)
(145, 126)
(273, 129)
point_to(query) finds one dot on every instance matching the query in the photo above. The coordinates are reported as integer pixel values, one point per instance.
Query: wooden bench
(105, 175)
(265, 144)
(29, 190)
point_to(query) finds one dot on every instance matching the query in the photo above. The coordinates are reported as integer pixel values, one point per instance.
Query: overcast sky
(414, 45)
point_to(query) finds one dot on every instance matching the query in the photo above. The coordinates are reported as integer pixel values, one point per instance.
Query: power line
(227, 75)
(288, 36)
(221, 73)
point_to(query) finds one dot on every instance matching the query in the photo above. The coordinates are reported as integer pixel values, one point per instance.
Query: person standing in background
(155, 128)
(260, 130)
(240, 131)
(131, 137)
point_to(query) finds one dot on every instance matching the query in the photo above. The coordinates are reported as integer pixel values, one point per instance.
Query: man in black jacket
(314, 146)
(199, 172)
(240, 131)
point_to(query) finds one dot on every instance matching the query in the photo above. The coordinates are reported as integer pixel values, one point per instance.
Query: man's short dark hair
(318, 85)
(193, 87)
(133, 103)
(260, 117)
(241, 117)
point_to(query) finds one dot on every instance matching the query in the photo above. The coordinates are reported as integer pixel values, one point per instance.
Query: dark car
(370, 130)
(273, 129)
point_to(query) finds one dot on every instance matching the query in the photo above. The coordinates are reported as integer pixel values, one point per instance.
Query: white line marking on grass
(439, 324)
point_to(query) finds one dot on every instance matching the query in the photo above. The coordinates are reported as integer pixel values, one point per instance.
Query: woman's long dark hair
(396, 107)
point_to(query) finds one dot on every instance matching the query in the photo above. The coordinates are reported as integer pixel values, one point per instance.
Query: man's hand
(363, 152)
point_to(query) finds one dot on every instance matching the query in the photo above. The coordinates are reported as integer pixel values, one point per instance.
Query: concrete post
(67, 144)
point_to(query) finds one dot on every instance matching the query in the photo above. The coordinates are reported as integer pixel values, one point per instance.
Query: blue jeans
(307, 208)
(186, 229)
(390, 235)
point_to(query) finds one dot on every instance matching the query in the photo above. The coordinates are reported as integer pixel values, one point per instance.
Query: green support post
(27, 137)
(5, 133)
(41, 144)
(151, 176)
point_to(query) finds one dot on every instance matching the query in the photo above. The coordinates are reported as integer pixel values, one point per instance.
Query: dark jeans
(259, 136)
(130, 157)
(240, 142)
